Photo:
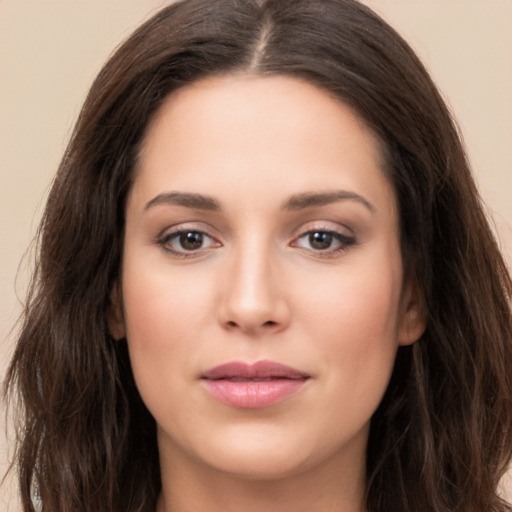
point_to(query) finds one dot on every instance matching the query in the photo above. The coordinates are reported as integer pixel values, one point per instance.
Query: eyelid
(170, 233)
(345, 241)
(325, 225)
(336, 234)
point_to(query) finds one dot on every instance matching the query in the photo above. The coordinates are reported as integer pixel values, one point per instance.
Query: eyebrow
(310, 199)
(295, 202)
(189, 200)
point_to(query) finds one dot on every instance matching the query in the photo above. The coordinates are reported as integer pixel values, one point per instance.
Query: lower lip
(253, 394)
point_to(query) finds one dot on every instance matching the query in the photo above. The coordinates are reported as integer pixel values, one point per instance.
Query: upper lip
(258, 370)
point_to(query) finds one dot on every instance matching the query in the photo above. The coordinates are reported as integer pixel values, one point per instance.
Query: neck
(190, 487)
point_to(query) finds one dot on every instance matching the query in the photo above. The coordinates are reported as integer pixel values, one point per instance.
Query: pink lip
(252, 386)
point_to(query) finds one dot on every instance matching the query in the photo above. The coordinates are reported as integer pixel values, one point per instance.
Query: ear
(413, 315)
(115, 316)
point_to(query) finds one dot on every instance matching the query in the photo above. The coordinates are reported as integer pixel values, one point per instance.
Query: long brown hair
(442, 436)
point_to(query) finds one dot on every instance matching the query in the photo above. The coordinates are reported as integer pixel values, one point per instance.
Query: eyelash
(165, 241)
(344, 241)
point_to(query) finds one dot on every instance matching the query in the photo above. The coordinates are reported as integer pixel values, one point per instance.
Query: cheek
(356, 301)
(355, 318)
(161, 301)
(164, 317)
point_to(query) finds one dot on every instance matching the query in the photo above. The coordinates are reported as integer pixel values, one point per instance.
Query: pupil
(320, 240)
(191, 240)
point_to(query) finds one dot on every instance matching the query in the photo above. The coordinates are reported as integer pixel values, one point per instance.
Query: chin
(262, 466)
(267, 453)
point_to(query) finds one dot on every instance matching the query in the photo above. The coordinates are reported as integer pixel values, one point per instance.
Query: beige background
(51, 50)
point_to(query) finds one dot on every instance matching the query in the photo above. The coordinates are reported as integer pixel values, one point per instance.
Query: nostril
(270, 323)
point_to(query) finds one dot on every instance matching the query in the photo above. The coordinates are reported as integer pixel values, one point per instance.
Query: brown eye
(324, 242)
(320, 240)
(187, 242)
(191, 240)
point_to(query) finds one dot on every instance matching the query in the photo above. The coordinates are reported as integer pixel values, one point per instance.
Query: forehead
(216, 104)
(258, 131)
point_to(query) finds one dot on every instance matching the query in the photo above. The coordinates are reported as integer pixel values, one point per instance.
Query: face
(262, 286)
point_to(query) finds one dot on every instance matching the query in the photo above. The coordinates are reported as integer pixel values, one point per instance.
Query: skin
(258, 287)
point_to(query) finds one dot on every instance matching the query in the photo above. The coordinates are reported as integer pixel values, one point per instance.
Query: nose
(254, 299)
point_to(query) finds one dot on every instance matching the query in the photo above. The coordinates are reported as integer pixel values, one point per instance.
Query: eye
(186, 241)
(324, 241)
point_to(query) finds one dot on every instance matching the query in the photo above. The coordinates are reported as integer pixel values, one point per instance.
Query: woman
(265, 280)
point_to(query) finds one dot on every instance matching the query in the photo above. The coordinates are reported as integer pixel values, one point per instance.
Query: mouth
(253, 386)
